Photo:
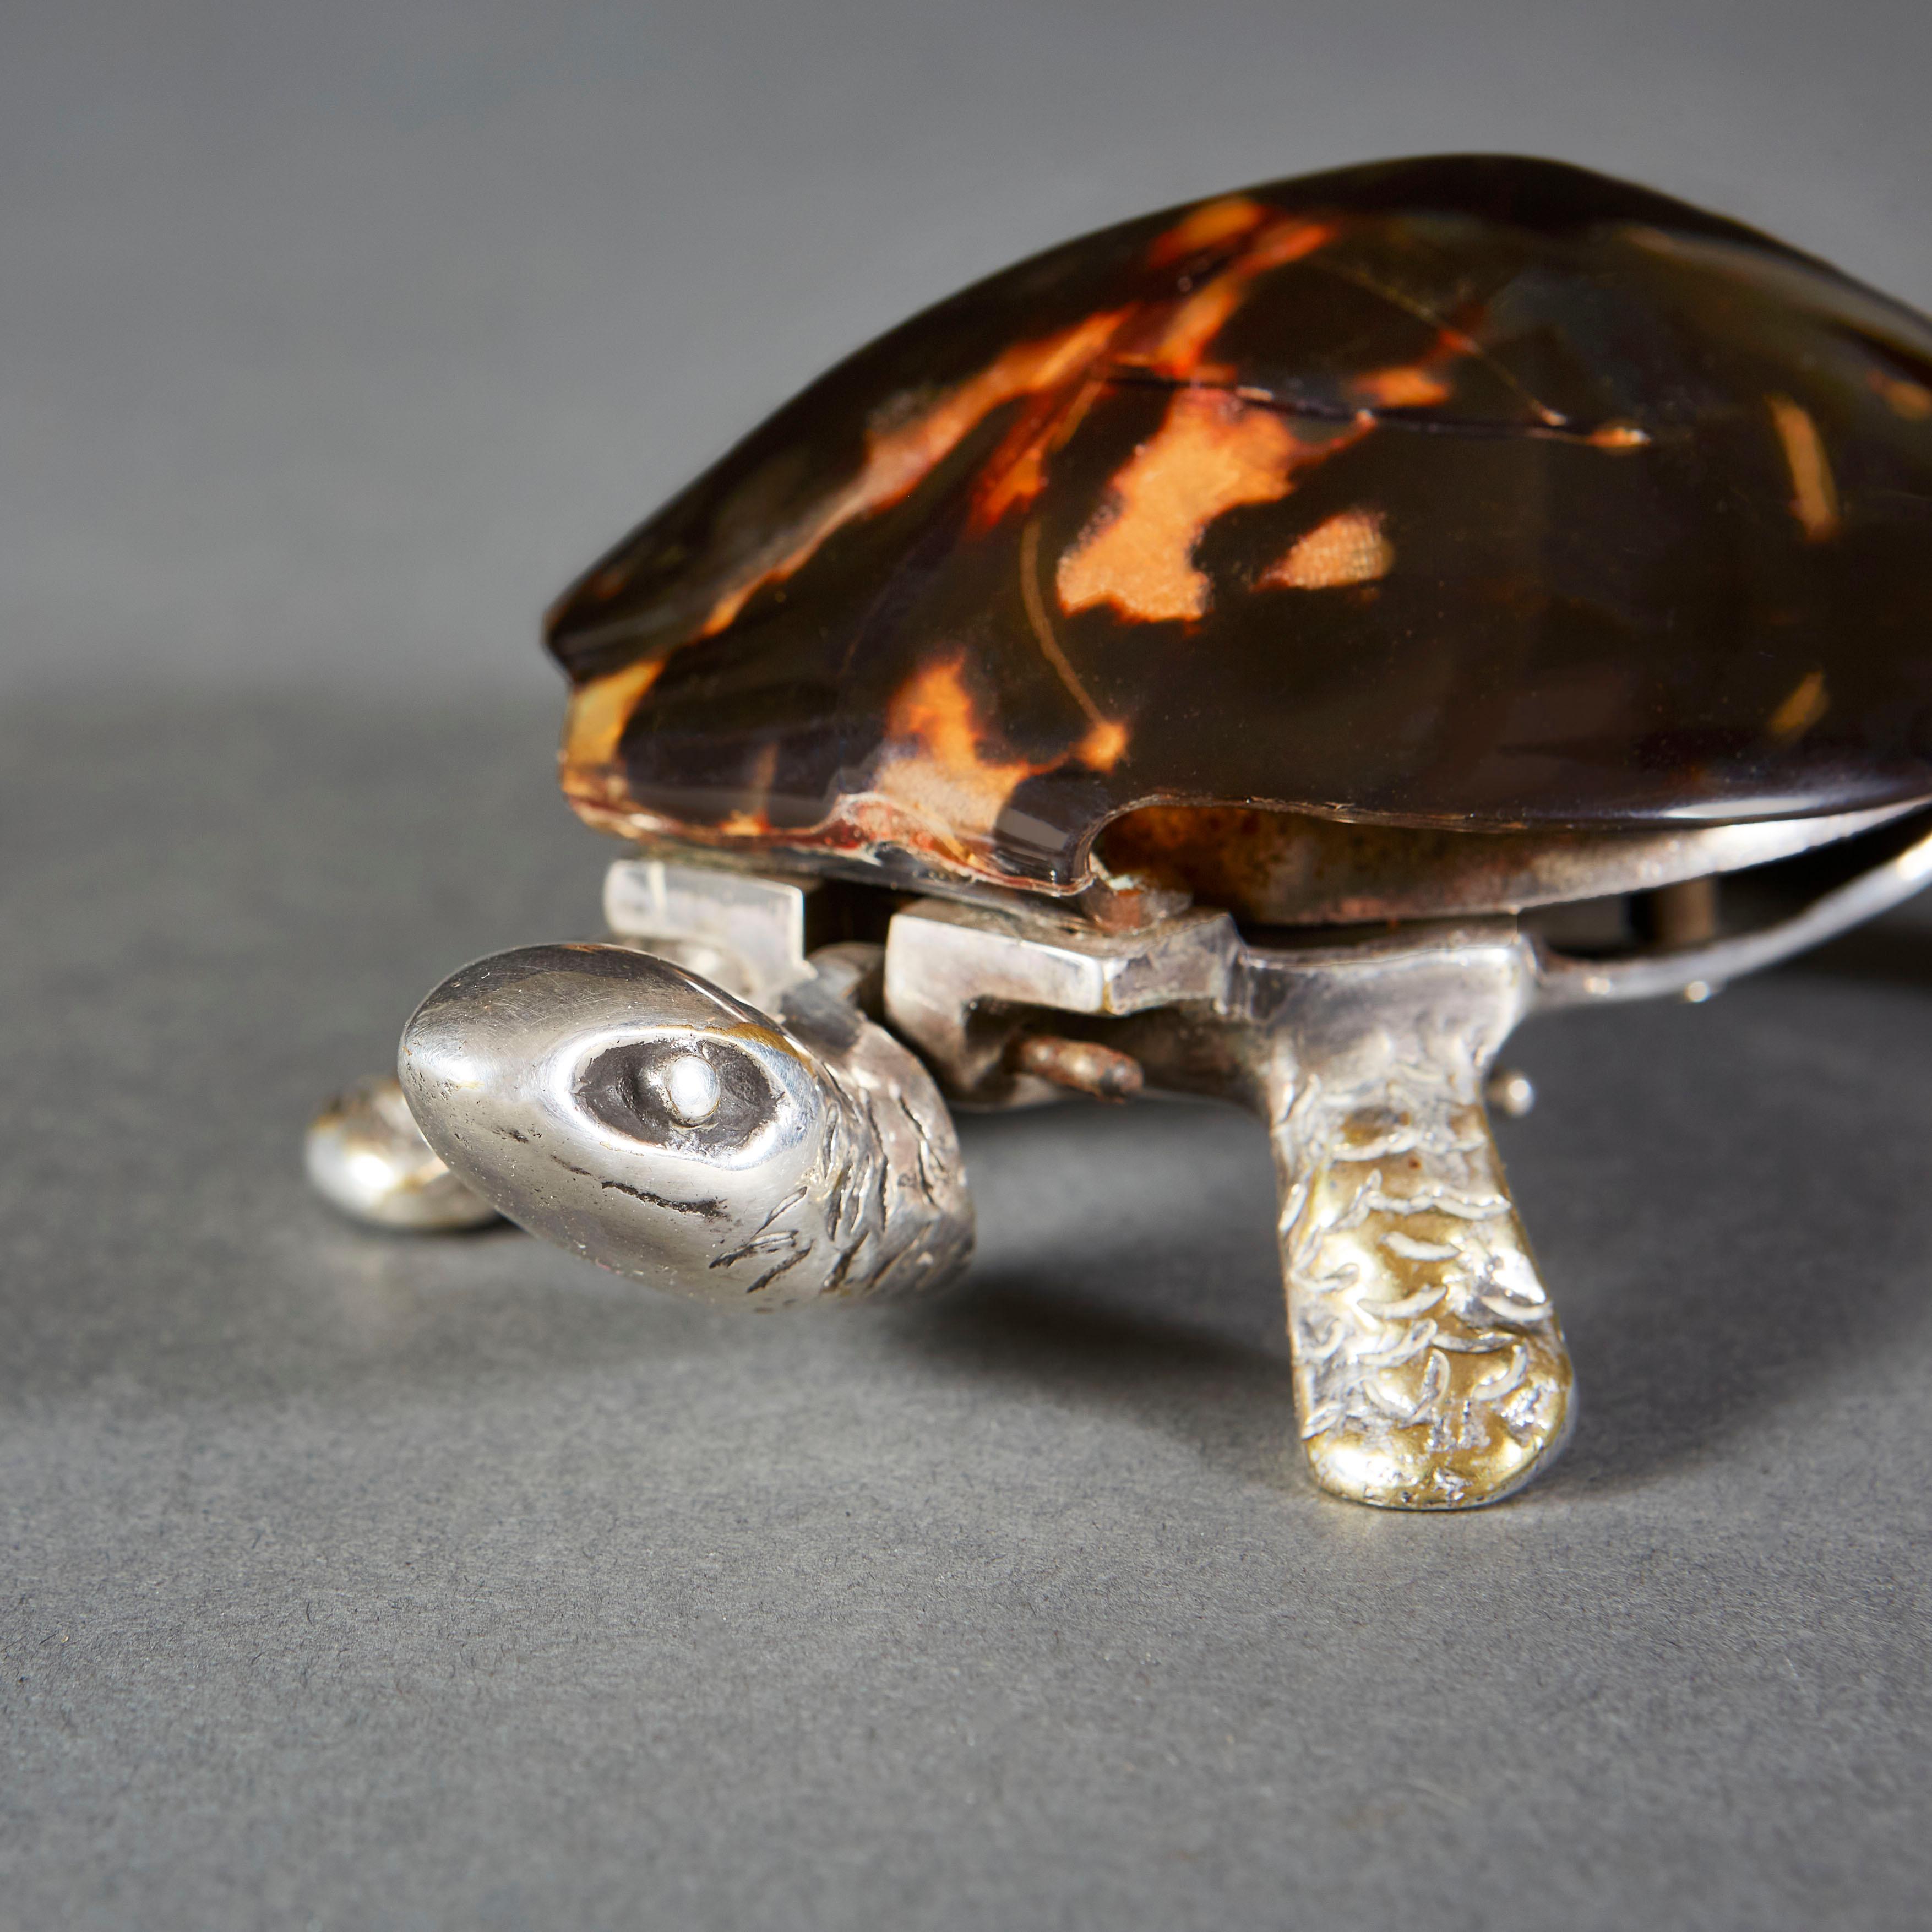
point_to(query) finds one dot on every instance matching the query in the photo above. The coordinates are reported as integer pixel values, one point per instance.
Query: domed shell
(1471, 492)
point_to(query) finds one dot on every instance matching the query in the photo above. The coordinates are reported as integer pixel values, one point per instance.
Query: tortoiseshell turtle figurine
(1217, 654)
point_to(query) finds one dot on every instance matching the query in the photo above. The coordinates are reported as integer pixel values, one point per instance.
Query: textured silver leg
(622, 1107)
(1430, 1370)
(368, 1157)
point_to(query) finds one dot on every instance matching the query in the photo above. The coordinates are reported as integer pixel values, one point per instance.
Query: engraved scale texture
(887, 1208)
(1430, 1367)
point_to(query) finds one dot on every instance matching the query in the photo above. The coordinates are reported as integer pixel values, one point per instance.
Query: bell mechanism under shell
(1469, 493)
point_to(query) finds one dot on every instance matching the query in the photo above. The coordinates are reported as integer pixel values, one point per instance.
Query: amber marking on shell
(934, 764)
(1801, 710)
(1102, 748)
(1903, 398)
(1167, 339)
(1211, 225)
(1179, 346)
(1348, 548)
(1410, 385)
(1015, 477)
(1650, 416)
(902, 451)
(1424, 383)
(1213, 452)
(937, 764)
(599, 711)
(1814, 496)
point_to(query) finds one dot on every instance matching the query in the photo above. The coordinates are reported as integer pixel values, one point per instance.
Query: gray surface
(369, 1582)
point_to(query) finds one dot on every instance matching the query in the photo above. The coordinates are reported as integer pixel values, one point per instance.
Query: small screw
(1510, 1091)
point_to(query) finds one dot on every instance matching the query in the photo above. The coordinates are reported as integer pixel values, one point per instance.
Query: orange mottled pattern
(1814, 493)
(1173, 340)
(937, 764)
(902, 452)
(1347, 548)
(941, 765)
(1213, 453)
(993, 581)
(1411, 386)
(1211, 225)
(1912, 401)
(1018, 472)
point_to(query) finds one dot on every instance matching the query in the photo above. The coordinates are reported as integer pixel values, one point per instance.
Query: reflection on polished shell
(1471, 492)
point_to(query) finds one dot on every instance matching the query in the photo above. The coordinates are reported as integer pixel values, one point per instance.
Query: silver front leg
(1430, 1371)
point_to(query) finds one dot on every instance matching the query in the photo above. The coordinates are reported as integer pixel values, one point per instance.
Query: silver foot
(1430, 1371)
(622, 1107)
(368, 1157)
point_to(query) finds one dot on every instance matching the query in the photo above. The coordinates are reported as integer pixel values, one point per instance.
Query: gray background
(365, 1583)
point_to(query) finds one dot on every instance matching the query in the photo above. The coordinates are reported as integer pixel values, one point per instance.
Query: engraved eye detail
(701, 1096)
(691, 1088)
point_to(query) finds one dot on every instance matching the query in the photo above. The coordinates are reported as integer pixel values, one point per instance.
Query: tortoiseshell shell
(1472, 492)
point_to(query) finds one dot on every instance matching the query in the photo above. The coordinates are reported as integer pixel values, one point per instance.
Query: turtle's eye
(701, 1095)
(692, 1088)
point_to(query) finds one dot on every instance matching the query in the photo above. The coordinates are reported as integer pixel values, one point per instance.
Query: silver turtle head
(625, 1108)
